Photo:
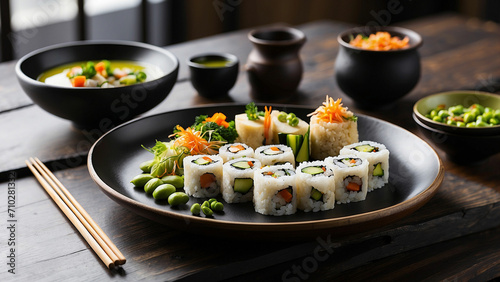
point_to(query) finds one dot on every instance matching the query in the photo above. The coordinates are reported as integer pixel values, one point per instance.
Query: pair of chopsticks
(92, 233)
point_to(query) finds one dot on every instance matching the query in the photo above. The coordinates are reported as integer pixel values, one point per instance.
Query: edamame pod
(152, 184)
(178, 198)
(141, 179)
(163, 191)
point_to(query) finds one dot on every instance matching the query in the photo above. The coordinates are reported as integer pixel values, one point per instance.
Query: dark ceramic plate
(415, 175)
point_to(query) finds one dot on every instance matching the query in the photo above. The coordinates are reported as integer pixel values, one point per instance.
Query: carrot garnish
(206, 180)
(194, 142)
(101, 69)
(353, 186)
(219, 119)
(380, 41)
(287, 196)
(323, 168)
(274, 148)
(207, 159)
(352, 161)
(78, 81)
(250, 163)
(236, 148)
(332, 111)
(267, 124)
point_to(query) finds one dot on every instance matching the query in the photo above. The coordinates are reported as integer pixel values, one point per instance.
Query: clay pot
(274, 66)
(377, 78)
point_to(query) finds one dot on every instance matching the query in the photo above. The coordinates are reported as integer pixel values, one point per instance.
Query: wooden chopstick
(93, 234)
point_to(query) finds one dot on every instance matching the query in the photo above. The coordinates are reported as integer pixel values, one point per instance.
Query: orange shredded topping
(353, 161)
(194, 141)
(219, 119)
(380, 41)
(331, 111)
(267, 124)
(236, 148)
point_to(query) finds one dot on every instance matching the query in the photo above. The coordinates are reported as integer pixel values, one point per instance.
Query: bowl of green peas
(461, 112)
(464, 124)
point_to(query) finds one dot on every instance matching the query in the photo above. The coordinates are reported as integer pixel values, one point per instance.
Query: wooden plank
(460, 207)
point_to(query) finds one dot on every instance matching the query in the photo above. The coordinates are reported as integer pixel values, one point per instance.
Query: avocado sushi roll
(274, 191)
(315, 186)
(275, 155)
(378, 158)
(351, 177)
(202, 175)
(237, 183)
(235, 150)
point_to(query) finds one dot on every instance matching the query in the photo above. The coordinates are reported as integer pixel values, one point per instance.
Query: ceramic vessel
(377, 78)
(93, 107)
(274, 65)
(213, 81)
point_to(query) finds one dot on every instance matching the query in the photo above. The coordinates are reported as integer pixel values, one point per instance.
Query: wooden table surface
(454, 236)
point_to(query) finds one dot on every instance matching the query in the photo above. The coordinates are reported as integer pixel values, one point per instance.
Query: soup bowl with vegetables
(464, 124)
(98, 84)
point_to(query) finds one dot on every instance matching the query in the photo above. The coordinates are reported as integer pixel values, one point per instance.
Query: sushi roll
(378, 158)
(274, 155)
(274, 191)
(202, 175)
(315, 186)
(237, 183)
(332, 127)
(351, 177)
(235, 150)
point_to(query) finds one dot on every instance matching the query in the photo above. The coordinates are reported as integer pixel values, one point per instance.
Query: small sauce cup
(213, 74)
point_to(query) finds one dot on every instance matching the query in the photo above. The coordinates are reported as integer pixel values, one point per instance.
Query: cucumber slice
(241, 165)
(313, 170)
(294, 141)
(364, 148)
(378, 171)
(272, 151)
(242, 185)
(303, 154)
(202, 161)
(315, 194)
(282, 138)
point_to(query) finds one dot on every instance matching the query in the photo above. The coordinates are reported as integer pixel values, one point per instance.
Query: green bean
(163, 191)
(176, 180)
(178, 198)
(146, 166)
(294, 121)
(282, 117)
(196, 209)
(141, 180)
(217, 206)
(207, 211)
(152, 184)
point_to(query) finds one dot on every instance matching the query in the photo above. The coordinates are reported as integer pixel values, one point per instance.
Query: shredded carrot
(194, 142)
(352, 161)
(353, 186)
(207, 159)
(219, 119)
(287, 196)
(206, 180)
(380, 41)
(267, 124)
(331, 111)
(78, 81)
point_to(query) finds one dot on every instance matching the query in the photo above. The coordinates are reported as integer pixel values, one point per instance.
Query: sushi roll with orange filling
(274, 191)
(202, 175)
(235, 150)
(351, 177)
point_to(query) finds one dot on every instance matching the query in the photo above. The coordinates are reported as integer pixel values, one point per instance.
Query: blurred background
(27, 25)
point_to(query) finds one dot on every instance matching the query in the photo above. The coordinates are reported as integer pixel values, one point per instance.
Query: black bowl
(97, 107)
(377, 78)
(213, 82)
(461, 148)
